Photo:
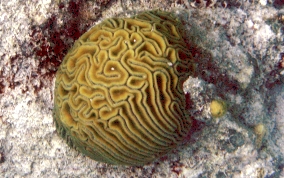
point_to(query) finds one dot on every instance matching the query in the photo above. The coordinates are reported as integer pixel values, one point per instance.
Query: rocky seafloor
(240, 57)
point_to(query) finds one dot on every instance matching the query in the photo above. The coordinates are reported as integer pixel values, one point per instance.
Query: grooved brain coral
(118, 91)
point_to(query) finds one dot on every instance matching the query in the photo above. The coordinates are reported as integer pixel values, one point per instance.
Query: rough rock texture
(238, 61)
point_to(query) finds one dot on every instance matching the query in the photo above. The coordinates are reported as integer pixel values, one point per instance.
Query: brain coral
(118, 92)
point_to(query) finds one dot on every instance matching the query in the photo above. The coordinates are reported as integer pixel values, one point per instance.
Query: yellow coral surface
(260, 131)
(218, 108)
(118, 92)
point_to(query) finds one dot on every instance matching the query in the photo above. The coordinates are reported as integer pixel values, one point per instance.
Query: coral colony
(118, 93)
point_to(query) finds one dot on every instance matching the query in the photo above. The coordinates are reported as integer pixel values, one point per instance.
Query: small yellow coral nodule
(259, 131)
(118, 92)
(218, 108)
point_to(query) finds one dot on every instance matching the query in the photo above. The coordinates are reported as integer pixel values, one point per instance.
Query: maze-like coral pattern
(118, 93)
